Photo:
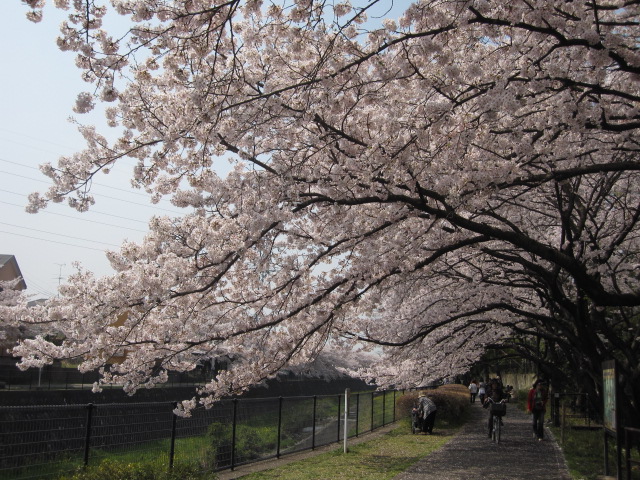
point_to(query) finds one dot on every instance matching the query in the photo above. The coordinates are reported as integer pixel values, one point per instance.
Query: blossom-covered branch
(428, 184)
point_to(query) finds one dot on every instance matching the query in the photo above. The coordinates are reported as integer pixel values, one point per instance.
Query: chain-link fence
(44, 442)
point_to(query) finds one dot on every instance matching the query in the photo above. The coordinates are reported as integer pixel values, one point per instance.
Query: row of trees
(423, 189)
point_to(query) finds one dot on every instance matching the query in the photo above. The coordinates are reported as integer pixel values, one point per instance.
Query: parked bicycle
(498, 410)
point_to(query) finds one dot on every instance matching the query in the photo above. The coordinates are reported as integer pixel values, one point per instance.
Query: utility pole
(60, 274)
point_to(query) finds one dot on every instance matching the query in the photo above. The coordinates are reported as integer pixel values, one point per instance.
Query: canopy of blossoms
(461, 177)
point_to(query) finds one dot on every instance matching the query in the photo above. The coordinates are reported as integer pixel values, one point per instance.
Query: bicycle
(498, 410)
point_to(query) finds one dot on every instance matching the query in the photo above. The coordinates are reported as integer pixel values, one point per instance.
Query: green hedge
(452, 402)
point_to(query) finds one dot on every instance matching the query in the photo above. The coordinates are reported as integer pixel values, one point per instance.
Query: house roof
(9, 270)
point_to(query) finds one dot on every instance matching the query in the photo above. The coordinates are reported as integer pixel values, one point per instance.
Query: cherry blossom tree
(462, 177)
(13, 306)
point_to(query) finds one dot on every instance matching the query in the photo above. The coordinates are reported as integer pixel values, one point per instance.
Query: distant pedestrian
(508, 393)
(473, 390)
(482, 391)
(536, 404)
(427, 408)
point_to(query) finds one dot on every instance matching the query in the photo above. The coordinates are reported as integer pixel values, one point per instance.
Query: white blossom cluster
(462, 177)
(13, 312)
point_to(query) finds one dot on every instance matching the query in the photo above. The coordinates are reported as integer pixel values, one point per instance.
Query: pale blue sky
(38, 87)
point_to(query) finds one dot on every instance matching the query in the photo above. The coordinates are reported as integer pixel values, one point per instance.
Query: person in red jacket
(536, 404)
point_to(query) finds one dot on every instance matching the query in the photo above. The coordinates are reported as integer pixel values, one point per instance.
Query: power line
(52, 241)
(78, 218)
(39, 289)
(35, 138)
(132, 192)
(146, 205)
(92, 211)
(59, 234)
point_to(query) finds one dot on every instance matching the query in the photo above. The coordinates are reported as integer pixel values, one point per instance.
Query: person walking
(473, 390)
(482, 391)
(536, 404)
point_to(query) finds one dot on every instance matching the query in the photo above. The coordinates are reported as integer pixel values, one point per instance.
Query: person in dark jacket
(537, 405)
(495, 393)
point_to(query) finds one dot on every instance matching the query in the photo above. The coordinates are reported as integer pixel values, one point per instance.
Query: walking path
(471, 454)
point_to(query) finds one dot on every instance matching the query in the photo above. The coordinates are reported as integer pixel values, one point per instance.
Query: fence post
(384, 406)
(279, 425)
(347, 393)
(394, 405)
(630, 440)
(172, 448)
(339, 416)
(627, 448)
(87, 437)
(357, 412)
(372, 411)
(313, 433)
(563, 422)
(233, 433)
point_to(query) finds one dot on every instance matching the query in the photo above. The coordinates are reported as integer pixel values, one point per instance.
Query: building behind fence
(62, 385)
(60, 378)
(45, 442)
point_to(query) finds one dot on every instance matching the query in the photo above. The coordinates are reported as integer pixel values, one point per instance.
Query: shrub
(252, 442)
(112, 470)
(452, 401)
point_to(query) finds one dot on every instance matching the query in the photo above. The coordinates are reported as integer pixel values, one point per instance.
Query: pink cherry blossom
(420, 189)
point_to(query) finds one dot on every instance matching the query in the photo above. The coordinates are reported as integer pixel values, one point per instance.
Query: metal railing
(631, 440)
(577, 406)
(49, 441)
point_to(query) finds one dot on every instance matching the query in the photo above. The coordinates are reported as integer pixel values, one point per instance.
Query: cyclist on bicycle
(495, 394)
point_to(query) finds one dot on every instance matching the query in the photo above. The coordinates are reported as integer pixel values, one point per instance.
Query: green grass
(198, 453)
(113, 470)
(382, 458)
(583, 449)
(379, 459)
(155, 451)
(584, 453)
(153, 454)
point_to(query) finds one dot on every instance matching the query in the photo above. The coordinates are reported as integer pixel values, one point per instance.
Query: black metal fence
(631, 441)
(45, 442)
(576, 406)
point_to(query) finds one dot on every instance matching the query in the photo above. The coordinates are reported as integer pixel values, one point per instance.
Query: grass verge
(583, 451)
(375, 460)
(385, 457)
